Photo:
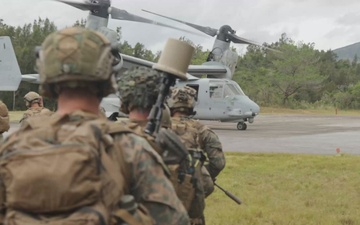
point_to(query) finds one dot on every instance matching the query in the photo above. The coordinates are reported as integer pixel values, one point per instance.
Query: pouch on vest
(61, 176)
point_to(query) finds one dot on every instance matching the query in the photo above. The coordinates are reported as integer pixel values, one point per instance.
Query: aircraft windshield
(221, 89)
(232, 89)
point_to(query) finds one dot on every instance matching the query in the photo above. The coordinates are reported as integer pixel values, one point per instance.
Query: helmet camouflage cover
(32, 97)
(73, 55)
(138, 88)
(182, 97)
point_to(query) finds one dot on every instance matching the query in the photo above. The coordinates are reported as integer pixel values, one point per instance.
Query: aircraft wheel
(241, 126)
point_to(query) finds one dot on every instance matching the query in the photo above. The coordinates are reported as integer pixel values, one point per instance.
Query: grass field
(279, 189)
(15, 116)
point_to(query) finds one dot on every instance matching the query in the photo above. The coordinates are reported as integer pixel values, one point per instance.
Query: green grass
(15, 116)
(279, 189)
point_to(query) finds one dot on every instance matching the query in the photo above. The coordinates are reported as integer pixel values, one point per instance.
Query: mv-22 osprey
(219, 98)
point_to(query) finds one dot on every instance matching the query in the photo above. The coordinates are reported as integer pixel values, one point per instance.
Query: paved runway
(292, 134)
(289, 133)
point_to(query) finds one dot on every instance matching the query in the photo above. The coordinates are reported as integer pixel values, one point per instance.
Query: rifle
(173, 63)
(230, 195)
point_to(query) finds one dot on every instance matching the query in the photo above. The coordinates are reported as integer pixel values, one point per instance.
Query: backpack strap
(113, 129)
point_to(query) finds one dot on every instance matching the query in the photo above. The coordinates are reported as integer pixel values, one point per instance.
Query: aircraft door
(217, 105)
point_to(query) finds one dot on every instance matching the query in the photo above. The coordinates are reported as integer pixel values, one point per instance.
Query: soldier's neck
(138, 114)
(179, 114)
(71, 102)
(35, 105)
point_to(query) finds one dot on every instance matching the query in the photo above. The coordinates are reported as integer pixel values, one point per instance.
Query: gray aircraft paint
(10, 75)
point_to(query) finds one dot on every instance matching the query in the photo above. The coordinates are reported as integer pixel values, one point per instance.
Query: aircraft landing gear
(241, 126)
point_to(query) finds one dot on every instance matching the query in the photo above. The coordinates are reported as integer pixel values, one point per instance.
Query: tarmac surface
(308, 134)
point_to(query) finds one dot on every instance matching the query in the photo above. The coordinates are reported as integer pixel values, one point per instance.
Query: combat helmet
(32, 97)
(138, 88)
(182, 99)
(76, 57)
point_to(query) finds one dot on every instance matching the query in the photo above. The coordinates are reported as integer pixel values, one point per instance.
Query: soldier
(82, 169)
(139, 89)
(34, 103)
(4, 119)
(195, 134)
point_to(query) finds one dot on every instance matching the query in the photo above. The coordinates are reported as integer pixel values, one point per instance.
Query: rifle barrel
(229, 194)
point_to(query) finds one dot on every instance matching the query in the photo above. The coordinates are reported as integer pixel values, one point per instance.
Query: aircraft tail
(10, 74)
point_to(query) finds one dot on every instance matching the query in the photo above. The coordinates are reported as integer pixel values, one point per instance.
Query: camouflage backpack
(61, 174)
(184, 169)
(189, 136)
(4, 118)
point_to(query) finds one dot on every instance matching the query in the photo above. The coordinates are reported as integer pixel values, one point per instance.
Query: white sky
(329, 24)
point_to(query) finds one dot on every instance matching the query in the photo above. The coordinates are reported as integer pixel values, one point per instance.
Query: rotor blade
(120, 14)
(81, 5)
(240, 40)
(207, 30)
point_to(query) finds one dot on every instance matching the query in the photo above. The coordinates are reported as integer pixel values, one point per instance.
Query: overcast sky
(329, 24)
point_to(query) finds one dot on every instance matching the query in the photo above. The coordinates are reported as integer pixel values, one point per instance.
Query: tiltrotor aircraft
(219, 98)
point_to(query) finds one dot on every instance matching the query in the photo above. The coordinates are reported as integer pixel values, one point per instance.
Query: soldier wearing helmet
(139, 89)
(77, 67)
(34, 103)
(4, 119)
(196, 135)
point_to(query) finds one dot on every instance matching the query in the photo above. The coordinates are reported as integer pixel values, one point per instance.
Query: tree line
(285, 73)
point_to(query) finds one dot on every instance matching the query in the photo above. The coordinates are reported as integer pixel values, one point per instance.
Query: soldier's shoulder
(46, 111)
(134, 146)
(3, 109)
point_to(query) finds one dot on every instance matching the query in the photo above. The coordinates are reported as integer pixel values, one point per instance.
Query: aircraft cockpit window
(232, 90)
(216, 91)
(241, 92)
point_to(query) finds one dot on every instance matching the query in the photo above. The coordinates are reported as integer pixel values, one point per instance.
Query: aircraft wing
(198, 70)
(31, 78)
(131, 61)
(213, 69)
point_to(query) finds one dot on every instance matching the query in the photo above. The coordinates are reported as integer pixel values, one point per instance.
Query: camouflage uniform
(139, 89)
(31, 98)
(209, 142)
(134, 158)
(4, 119)
(183, 100)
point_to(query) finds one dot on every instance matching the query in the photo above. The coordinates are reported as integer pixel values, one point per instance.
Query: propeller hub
(100, 8)
(224, 32)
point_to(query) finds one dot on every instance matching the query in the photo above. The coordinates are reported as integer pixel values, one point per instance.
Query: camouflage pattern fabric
(182, 98)
(35, 112)
(149, 183)
(197, 204)
(146, 180)
(76, 57)
(4, 118)
(209, 142)
(138, 88)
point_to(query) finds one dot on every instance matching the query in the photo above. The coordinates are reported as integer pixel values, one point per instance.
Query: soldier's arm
(149, 185)
(2, 202)
(211, 144)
